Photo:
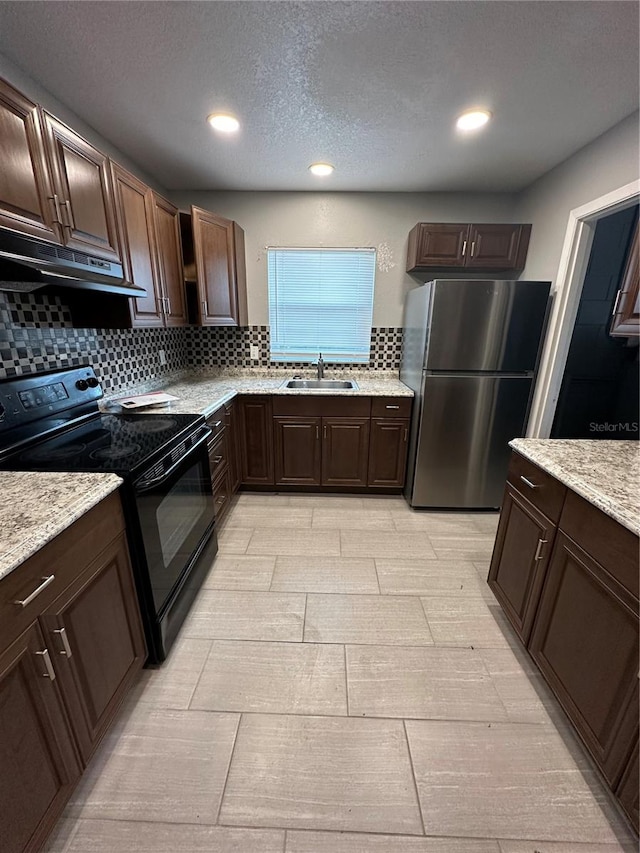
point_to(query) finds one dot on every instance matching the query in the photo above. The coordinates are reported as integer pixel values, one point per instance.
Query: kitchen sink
(322, 384)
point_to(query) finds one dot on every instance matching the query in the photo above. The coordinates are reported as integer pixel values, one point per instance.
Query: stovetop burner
(114, 453)
(156, 423)
(56, 454)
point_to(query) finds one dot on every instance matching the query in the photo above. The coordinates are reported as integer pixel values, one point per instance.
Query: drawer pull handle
(406, 433)
(392, 407)
(47, 662)
(464, 248)
(36, 592)
(217, 459)
(65, 642)
(541, 544)
(317, 432)
(217, 424)
(529, 483)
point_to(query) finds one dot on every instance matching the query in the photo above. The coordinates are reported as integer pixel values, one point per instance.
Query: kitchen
(355, 547)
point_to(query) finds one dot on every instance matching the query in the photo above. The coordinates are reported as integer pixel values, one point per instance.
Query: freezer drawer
(461, 451)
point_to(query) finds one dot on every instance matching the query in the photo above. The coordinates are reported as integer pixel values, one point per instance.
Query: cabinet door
(134, 215)
(437, 245)
(213, 243)
(81, 179)
(345, 451)
(626, 312)
(38, 762)
(388, 452)
(497, 247)
(297, 451)
(627, 791)
(231, 429)
(169, 259)
(256, 441)
(26, 188)
(520, 558)
(95, 639)
(585, 641)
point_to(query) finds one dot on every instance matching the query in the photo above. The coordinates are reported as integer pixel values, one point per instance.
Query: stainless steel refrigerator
(470, 354)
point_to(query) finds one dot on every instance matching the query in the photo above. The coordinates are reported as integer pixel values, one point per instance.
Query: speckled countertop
(36, 507)
(606, 473)
(204, 393)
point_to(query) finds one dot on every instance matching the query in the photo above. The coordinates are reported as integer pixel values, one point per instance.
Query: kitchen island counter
(605, 473)
(37, 506)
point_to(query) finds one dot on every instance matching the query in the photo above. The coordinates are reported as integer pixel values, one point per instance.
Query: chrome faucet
(320, 364)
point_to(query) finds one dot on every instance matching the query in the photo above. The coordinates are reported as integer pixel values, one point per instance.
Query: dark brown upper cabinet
(26, 188)
(626, 312)
(167, 232)
(214, 268)
(453, 246)
(83, 196)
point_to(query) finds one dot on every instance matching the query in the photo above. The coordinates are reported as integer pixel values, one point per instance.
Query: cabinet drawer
(391, 407)
(221, 495)
(316, 406)
(216, 421)
(541, 489)
(608, 542)
(62, 559)
(218, 455)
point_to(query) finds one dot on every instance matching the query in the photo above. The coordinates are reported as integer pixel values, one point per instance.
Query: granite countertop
(204, 393)
(606, 473)
(36, 507)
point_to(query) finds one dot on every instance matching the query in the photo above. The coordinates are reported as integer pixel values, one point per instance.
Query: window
(321, 300)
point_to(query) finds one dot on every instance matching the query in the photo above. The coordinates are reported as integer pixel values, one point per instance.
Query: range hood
(27, 264)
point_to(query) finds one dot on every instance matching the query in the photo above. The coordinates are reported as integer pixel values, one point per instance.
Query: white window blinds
(321, 300)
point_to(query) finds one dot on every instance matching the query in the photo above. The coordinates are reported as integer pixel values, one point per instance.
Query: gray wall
(382, 220)
(607, 163)
(33, 90)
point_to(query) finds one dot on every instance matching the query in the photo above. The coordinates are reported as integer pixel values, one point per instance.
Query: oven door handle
(142, 486)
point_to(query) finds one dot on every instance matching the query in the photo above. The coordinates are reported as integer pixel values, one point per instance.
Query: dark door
(388, 452)
(345, 451)
(26, 188)
(94, 635)
(297, 451)
(256, 441)
(497, 247)
(628, 789)
(231, 429)
(442, 245)
(169, 259)
(38, 763)
(214, 256)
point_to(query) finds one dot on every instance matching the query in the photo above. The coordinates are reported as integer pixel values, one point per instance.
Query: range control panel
(28, 398)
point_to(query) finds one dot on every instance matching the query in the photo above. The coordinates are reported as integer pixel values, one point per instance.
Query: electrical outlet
(254, 352)
(162, 356)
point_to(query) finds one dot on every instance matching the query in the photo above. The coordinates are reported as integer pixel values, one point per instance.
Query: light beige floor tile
(163, 763)
(429, 577)
(437, 523)
(482, 568)
(325, 574)
(302, 543)
(356, 519)
(62, 835)
(466, 622)
(268, 499)
(331, 502)
(273, 678)
(121, 836)
(246, 615)
(566, 847)
(502, 780)
(281, 517)
(351, 842)
(476, 548)
(321, 773)
(423, 683)
(515, 686)
(233, 540)
(171, 685)
(393, 503)
(379, 544)
(240, 571)
(380, 620)
(487, 522)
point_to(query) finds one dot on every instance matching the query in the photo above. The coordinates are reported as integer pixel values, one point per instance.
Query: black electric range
(51, 422)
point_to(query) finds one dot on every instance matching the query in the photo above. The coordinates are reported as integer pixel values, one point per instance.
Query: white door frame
(566, 298)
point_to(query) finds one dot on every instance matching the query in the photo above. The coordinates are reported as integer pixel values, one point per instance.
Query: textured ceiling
(373, 87)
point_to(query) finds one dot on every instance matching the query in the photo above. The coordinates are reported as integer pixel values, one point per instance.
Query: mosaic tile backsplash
(36, 334)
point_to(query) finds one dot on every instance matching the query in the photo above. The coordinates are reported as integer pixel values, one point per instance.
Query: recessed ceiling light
(321, 169)
(223, 122)
(473, 119)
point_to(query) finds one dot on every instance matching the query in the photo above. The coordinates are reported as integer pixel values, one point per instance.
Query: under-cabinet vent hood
(27, 264)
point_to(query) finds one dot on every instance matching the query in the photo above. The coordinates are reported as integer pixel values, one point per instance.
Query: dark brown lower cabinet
(71, 645)
(256, 440)
(39, 764)
(585, 642)
(627, 791)
(520, 557)
(345, 451)
(297, 451)
(388, 452)
(231, 429)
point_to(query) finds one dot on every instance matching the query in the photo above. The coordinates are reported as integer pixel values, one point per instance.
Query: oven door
(176, 516)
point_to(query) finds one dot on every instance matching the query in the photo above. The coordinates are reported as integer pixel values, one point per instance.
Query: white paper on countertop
(140, 401)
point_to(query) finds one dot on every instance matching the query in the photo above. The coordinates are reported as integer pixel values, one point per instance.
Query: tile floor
(345, 683)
